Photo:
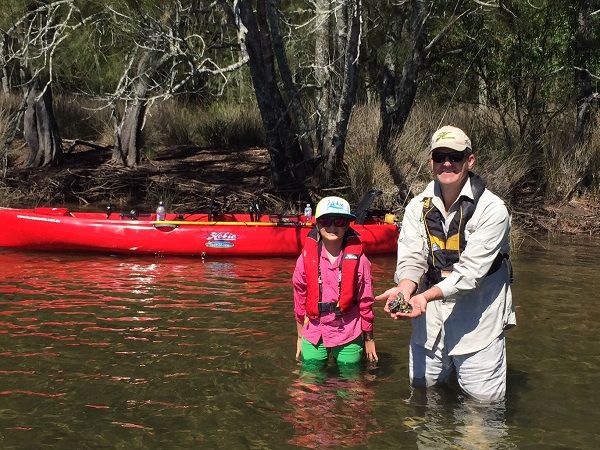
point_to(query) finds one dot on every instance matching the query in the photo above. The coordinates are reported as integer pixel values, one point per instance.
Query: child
(333, 294)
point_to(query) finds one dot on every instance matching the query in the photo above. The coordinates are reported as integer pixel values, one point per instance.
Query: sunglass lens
(340, 221)
(336, 221)
(454, 157)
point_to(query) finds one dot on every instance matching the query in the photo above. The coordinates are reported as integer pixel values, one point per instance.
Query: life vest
(445, 249)
(352, 250)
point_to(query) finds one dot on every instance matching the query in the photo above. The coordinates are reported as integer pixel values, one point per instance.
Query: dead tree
(283, 142)
(128, 129)
(584, 51)
(168, 50)
(399, 85)
(31, 44)
(337, 43)
(39, 126)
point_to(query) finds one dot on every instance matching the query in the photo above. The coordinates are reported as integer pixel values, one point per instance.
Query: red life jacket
(352, 249)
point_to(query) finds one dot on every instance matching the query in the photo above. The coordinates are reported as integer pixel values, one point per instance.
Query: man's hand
(419, 302)
(419, 306)
(407, 288)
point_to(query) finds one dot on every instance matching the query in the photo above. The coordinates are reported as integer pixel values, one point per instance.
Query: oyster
(399, 305)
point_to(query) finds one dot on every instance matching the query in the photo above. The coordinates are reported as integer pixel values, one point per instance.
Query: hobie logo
(219, 244)
(221, 236)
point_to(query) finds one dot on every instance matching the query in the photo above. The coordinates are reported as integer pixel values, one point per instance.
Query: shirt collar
(433, 190)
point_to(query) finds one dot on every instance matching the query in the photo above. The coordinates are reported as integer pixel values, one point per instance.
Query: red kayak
(61, 229)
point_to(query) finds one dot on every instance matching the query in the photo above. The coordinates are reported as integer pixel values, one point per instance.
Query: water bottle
(161, 212)
(308, 213)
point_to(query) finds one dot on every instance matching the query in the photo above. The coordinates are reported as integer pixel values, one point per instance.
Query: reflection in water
(126, 352)
(475, 425)
(331, 411)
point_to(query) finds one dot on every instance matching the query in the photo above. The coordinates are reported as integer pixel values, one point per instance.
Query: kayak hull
(59, 229)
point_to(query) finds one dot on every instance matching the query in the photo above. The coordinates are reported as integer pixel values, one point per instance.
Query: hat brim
(347, 216)
(450, 146)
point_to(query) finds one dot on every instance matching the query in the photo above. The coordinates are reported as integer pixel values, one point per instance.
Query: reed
(80, 117)
(232, 125)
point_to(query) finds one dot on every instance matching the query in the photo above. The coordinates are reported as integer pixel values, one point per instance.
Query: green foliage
(510, 67)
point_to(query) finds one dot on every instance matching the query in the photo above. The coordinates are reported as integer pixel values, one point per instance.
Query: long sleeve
(365, 294)
(300, 291)
(412, 250)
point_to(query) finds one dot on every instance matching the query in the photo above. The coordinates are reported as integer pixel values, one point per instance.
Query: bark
(336, 75)
(127, 148)
(322, 69)
(584, 41)
(292, 96)
(40, 128)
(286, 156)
(397, 94)
(3, 63)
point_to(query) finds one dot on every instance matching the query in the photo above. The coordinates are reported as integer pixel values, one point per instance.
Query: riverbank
(191, 178)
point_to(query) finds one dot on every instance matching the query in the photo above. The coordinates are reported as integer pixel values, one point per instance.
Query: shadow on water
(124, 352)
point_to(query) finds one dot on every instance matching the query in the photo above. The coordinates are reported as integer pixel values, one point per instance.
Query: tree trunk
(127, 148)
(292, 96)
(286, 156)
(584, 41)
(336, 74)
(397, 97)
(5, 80)
(39, 127)
(322, 72)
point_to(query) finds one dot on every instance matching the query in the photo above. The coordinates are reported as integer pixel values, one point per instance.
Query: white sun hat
(333, 206)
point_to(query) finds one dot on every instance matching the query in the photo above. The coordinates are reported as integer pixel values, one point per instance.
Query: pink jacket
(334, 331)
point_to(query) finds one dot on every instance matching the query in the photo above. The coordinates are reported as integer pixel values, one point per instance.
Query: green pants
(350, 353)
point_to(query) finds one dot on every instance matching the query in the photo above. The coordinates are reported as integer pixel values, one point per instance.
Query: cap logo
(444, 135)
(336, 205)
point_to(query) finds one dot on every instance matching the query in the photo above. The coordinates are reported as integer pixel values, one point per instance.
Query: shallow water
(122, 352)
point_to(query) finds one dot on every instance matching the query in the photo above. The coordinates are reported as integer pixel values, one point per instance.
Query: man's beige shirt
(476, 309)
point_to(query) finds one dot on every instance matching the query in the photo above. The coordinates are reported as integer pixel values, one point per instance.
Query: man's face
(451, 167)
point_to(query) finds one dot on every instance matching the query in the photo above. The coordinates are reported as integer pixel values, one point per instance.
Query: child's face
(332, 228)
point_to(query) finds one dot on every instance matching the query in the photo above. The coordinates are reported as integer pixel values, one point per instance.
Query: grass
(552, 167)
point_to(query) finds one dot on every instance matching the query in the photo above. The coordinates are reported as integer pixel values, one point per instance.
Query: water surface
(125, 352)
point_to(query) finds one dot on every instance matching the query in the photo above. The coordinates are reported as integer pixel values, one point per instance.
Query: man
(454, 271)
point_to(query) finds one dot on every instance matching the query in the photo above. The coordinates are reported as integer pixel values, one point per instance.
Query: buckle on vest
(327, 307)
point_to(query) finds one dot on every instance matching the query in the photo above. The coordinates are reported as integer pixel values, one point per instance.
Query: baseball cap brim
(348, 216)
(450, 145)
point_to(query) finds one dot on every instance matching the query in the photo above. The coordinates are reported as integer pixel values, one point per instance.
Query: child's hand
(298, 348)
(370, 351)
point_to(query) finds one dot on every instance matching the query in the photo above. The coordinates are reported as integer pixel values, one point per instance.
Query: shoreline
(189, 178)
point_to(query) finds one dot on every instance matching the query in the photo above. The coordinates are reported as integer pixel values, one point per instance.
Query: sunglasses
(454, 157)
(335, 221)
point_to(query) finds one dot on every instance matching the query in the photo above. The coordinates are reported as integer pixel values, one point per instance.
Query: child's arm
(300, 292)
(365, 304)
